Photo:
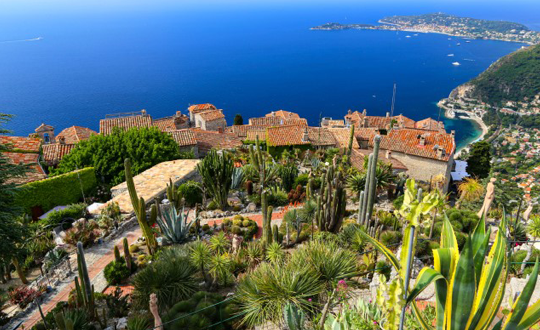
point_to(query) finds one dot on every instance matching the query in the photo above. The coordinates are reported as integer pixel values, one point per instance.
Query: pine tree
(238, 120)
(479, 161)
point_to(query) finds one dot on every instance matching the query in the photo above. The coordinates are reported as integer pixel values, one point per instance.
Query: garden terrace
(152, 182)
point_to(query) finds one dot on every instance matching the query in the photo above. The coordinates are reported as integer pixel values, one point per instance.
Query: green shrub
(391, 238)
(236, 230)
(191, 192)
(116, 272)
(398, 202)
(302, 180)
(63, 189)
(278, 198)
(245, 223)
(73, 211)
(213, 311)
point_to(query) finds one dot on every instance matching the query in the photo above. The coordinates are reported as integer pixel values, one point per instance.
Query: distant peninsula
(448, 24)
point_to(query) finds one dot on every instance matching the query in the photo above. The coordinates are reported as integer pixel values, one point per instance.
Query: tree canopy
(479, 161)
(146, 147)
(238, 120)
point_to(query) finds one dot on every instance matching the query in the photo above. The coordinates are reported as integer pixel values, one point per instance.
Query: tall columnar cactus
(267, 219)
(258, 160)
(127, 254)
(85, 290)
(310, 189)
(275, 233)
(351, 139)
(117, 256)
(365, 207)
(331, 202)
(216, 170)
(174, 195)
(139, 207)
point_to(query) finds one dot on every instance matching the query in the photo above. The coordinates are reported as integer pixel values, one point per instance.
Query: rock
(122, 324)
(251, 207)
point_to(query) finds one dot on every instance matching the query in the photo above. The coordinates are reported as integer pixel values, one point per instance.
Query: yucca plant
(219, 243)
(200, 257)
(173, 224)
(275, 253)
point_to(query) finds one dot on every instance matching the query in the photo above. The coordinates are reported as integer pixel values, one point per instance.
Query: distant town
(451, 25)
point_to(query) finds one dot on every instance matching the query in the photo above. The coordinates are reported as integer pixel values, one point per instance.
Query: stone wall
(423, 169)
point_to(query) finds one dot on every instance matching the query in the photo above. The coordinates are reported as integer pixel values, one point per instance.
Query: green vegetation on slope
(512, 78)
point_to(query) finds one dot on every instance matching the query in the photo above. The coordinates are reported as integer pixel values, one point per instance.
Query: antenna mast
(393, 101)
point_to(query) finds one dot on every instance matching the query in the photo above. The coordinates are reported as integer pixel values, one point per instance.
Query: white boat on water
(407, 36)
(456, 63)
(416, 34)
(458, 44)
(468, 41)
(450, 55)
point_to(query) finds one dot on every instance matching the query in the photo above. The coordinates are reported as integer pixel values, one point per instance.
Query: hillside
(512, 78)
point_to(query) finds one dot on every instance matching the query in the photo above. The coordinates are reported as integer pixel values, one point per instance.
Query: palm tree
(470, 190)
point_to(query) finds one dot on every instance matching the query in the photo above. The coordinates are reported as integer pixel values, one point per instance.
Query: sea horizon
(250, 61)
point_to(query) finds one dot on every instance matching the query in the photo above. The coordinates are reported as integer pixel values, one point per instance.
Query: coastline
(450, 113)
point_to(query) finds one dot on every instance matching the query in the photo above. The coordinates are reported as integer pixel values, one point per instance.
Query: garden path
(97, 257)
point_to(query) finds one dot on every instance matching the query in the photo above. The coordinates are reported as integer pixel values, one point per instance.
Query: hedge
(63, 189)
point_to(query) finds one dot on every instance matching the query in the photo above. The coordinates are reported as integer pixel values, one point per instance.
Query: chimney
(365, 124)
(178, 113)
(440, 152)
(422, 140)
(387, 114)
(349, 112)
(305, 136)
(143, 112)
(453, 133)
(388, 154)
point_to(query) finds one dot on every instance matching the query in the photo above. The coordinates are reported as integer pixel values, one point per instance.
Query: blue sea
(94, 59)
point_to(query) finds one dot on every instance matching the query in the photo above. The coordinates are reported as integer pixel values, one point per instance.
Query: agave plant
(174, 224)
(238, 178)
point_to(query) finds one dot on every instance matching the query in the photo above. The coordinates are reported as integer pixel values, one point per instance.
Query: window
(46, 138)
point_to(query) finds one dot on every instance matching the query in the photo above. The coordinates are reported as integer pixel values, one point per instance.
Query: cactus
(351, 138)
(117, 256)
(174, 195)
(309, 189)
(294, 317)
(267, 219)
(249, 187)
(139, 207)
(275, 233)
(85, 290)
(360, 207)
(258, 160)
(331, 202)
(127, 254)
(367, 196)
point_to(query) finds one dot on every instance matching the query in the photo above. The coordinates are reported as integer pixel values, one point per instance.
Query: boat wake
(20, 40)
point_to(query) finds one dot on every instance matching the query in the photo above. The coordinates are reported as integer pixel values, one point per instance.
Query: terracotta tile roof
(430, 124)
(407, 140)
(30, 157)
(165, 124)
(358, 155)
(355, 117)
(196, 108)
(106, 125)
(275, 121)
(283, 114)
(335, 122)
(285, 136)
(44, 128)
(211, 115)
(363, 133)
(21, 143)
(252, 134)
(320, 136)
(75, 134)
(53, 153)
(184, 137)
(207, 140)
(341, 135)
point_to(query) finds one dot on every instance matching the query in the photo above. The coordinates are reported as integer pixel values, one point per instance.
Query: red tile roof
(358, 155)
(184, 137)
(207, 140)
(242, 130)
(320, 136)
(430, 124)
(275, 121)
(285, 136)
(283, 114)
(196, 108)
(75, 134)
(165, 124)
(29, 156)
(106, 125)
(253, 134)
(342, 135)
(407, 140)
(53, 153)
(211, 115)
(21, 143)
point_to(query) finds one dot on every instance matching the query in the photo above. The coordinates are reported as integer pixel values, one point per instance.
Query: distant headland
(448, 24)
